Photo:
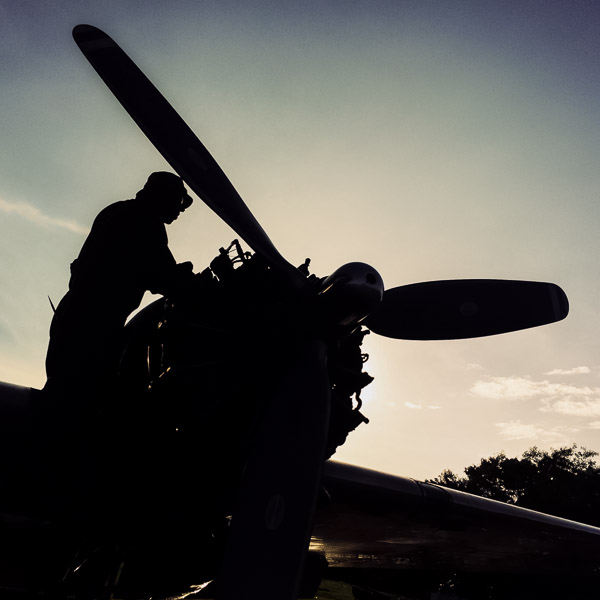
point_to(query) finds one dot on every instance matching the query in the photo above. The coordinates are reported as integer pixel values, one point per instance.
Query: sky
(432, 140)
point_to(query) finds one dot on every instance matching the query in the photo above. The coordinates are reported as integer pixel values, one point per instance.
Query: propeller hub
(351, 293)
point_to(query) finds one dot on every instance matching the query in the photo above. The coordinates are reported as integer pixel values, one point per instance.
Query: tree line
(563, 482)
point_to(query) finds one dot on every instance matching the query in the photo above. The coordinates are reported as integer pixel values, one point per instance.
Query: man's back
(125, 254)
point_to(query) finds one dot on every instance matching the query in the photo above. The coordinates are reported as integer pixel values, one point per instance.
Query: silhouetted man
(86, 431)
(125, 254)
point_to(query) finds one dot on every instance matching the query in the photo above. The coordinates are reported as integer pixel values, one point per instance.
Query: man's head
(167, 194)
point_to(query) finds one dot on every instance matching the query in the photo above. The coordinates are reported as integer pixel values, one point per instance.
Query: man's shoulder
(120, 208)
(123, 211)
(132, 217)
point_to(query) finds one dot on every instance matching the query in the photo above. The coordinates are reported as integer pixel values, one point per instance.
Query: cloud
(35, 215)
(515, 430)
(520, 388)
(558, 398)
(474, 367)
(569, 406)
(505, 388)
(420, 407)
(574, 371)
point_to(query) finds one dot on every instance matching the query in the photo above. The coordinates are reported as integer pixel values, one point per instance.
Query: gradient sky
(433, 140)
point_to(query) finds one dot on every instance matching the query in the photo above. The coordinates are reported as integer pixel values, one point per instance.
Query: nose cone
(352, 292)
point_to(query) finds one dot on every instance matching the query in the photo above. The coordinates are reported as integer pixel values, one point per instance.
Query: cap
(163, 182)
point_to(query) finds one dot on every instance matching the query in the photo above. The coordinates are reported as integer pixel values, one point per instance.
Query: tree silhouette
(564, 482)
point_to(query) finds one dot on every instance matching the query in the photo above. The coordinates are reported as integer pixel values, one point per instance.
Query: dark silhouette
(83, 405)
(563, 482)
(125, 254)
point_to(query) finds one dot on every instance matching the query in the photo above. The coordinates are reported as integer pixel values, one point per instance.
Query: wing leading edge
(378, 521)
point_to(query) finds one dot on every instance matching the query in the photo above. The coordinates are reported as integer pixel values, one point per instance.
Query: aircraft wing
(382, 524)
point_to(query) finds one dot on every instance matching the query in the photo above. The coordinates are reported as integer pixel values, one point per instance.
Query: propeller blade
(466, 308)
(271, 528)
(176, 141)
